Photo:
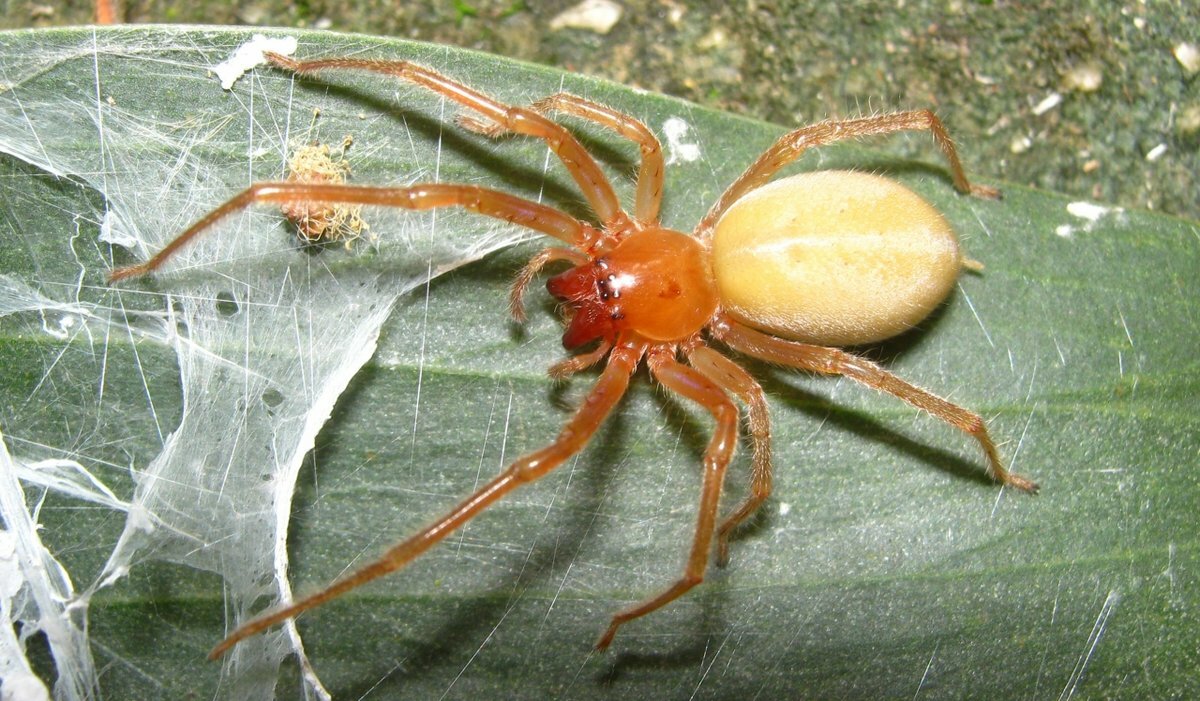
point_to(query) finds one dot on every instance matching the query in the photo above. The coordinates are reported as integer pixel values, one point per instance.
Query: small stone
(1188, 56)
(1085, 77)
(715, 39)
(598, 16)
(675, 13)
(1050, 102)
(1187, 123)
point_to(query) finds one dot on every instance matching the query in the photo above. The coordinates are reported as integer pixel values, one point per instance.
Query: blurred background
(1099, 100)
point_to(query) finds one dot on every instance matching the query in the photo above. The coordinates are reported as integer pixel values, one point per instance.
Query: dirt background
(1094, 99)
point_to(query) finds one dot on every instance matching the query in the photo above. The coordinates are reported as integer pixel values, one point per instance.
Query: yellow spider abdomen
(833, 258)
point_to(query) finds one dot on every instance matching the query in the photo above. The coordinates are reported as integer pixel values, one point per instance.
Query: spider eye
(608, 287)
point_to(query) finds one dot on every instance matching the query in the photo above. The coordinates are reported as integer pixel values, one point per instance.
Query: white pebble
(593, 15)
(1050, 102)
(1188, 56)
(1156, 153)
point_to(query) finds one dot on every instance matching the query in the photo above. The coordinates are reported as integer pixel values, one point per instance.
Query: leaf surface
(883, 565)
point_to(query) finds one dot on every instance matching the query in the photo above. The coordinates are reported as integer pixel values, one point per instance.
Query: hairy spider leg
(516, 294)
(651, 173)
(733, 378)
(835, 361)
(580, 361)
(522, 120)
(694, 385)
(790, 146)
(575, 434)
(648, 200)
(492, 203)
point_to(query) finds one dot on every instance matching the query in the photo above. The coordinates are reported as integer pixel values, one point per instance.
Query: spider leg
(516, 295)
(790, 146)
(834, 361)
(565, 368)
(492, 203)
(731, 377)
(695, 386)
(522, 120)
(650, 175)
(571, 439)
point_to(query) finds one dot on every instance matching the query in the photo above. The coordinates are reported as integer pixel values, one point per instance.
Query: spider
(786, 271)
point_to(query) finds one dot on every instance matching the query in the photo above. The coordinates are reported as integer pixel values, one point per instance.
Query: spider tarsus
(282, 61)
(607, 637)
(1006, 478)
(986, 192)
(1022, 483)
(128, 271)
(516, 311)
(565, 368)
(722, 551)
(561, 370)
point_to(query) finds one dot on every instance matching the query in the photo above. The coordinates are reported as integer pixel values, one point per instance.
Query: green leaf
(884, 565)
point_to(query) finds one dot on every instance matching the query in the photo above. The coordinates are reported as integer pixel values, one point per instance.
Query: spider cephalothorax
(656, 282)
(646, 293)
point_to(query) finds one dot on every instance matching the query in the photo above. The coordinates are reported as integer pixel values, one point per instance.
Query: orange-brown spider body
(656, 283)
(643, 293)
